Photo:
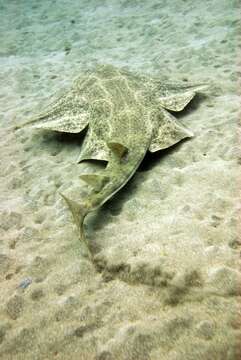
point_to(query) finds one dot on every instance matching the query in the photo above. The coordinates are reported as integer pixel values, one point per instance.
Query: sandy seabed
(167, 281)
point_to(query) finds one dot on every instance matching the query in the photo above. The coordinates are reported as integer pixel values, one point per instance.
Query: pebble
(79, 331)
(235, 352)
(39, 267)
(136, 340)
(12, 243)
(180, 285)
(25, 283)
(5, 263)
(205, 329)
(37, 294)
(104, 355)
(14, 183)
(60, 289)
(39, 217)
(9, 276)
(150, 274)
(3, 330)
(10, 220)
(225, 281)
(234, 317)
(15, 306)
(235, 244)
(23, 340)
(29, 234)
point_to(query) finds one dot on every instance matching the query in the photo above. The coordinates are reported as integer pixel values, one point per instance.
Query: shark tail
(79, 211)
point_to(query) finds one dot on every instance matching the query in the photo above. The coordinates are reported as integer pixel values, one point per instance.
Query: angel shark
(127, 115)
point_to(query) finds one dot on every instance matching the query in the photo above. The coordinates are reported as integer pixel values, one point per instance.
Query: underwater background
(168, 282)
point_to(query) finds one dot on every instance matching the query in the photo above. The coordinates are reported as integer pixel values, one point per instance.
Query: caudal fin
(79, 211)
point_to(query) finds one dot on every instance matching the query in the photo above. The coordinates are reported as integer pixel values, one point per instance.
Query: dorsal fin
(118, 149)
(97, 181)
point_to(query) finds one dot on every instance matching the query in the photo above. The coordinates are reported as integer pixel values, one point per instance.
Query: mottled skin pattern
(126, 115)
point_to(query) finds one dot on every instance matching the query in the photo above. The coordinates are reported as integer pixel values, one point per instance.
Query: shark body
(127, 115)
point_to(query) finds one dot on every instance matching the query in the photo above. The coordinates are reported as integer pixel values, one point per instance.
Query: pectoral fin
(175, 97)
(167, 132)
(68, 114)
(118, 149)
